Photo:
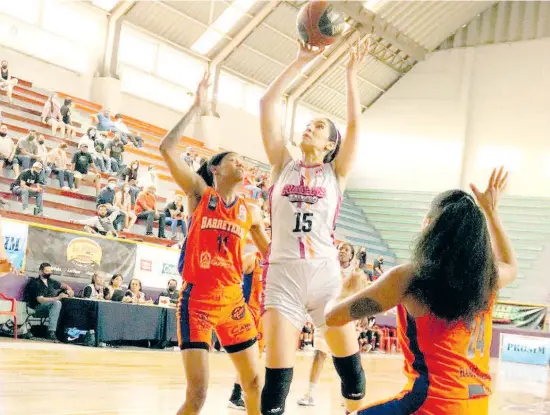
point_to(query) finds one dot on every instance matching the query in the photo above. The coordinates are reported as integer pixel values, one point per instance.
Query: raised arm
(270, 124)
(185, 177)
(345, 159)
(502, 246)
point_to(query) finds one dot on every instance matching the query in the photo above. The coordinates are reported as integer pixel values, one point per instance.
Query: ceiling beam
(371, 23)
(110, 55)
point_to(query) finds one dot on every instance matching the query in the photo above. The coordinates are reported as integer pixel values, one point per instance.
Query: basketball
(318, 24)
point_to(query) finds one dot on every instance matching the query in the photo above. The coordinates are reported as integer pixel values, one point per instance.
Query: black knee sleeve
(352, 376)
(275, 391)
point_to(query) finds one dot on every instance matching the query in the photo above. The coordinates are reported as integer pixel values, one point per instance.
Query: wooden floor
(54, 379)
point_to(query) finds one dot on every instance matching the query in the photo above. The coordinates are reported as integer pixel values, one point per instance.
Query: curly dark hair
(455, 273)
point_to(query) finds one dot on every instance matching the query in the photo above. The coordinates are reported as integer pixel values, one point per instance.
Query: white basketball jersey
(305, 202)
(346, 272)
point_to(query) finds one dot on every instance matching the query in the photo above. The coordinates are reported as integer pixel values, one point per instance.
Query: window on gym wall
(253, 94)
(25, 10)
(178, 67)
(231, 90)
(137, 51)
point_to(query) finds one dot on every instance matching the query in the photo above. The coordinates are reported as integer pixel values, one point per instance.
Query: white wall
(457, 114)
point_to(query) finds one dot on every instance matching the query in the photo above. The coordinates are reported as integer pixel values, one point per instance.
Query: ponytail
(454, 268)
(205, 170)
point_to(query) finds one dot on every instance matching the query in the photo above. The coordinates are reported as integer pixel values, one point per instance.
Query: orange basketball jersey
(214, 246)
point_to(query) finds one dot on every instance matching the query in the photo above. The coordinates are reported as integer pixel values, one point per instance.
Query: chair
(12, 312)
(389, 338)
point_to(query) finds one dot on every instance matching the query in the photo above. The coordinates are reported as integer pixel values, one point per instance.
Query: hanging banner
(156, 265)
(521, 316)
(15, 241)
(76, 256)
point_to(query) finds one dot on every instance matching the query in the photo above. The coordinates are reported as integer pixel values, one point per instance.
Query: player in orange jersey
(211, 297)
(252, 291)
(444, 299)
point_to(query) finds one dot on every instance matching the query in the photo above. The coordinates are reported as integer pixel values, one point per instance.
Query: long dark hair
(205, 170)
(336, 138)
(454, 267)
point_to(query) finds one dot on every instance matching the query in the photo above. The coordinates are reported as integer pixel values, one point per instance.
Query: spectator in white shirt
(149, 179)
(51, 115)
(7, 151)
(60, 165)
(135, 138)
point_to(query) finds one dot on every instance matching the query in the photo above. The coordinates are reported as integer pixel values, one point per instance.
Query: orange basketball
(318, 24)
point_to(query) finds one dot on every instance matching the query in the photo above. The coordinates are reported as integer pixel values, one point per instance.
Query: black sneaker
(237, 403)
(51, 336)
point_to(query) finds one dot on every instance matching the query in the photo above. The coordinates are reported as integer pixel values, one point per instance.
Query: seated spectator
(134, 294)
(306, 336)
(362, 263)
(373, 333)
(114, 151)
(171, 292)
(44, 295)
(95, 290)
(102, 224)
(137, 139)
(378, 267)
(125, 132)
(59, 163)
(114, 286)
(42, 157)
(29, 184)
(149, 179)
(7, 151)
(104, 122)
(146, 208)
(129, 175)
(188, 157)
(7, 83)
(27, 150)
(51, 115)
(66, 114)
(81, 164)
(90, 140)
(175, 216)
(123, 202)
(106, 197)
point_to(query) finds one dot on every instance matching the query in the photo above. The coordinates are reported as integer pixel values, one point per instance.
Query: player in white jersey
(303, 272)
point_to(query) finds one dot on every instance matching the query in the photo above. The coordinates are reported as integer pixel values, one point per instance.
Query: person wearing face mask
(66, 114)
(146, 208)
(106, 197)
(171, 292)
(129, 175)
(43, 158)
(123, 202)
(44, 295)
(7, 83)
(7, 151)
(378, 267)
(51, 115)
(114, 151)
(27, 150)
(102, 224)
(59, 163)
(30, 184)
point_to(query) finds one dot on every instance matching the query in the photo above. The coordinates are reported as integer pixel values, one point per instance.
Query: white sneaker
(307, 400)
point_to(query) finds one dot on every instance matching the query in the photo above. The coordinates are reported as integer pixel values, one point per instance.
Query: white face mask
(111, 186)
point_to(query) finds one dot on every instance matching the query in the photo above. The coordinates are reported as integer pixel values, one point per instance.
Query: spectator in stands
(149, 179)
(59, 163)
(362, 262)
(81, 164)
(188, 157)
(129, 175)
(171, 292)
(27, 150)
(90, 140)
(378, 267)
(95, 290)
(175, 216)
(51, 115)
(125, 132)
(146, 208)
(107, 197)
(114, 286)
(29, 184)
(123, 202)
(44, 295)
(66, 114)
(104, 122)
(42, 157)
(137, 139)
(7, 151)
(306, 336)
(114, 151)
(7, 83)
(134, 294)
(102, 224)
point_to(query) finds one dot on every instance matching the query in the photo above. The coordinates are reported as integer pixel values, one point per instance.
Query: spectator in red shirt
(146, 208)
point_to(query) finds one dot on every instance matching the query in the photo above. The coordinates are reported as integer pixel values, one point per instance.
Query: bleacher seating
(398, 215)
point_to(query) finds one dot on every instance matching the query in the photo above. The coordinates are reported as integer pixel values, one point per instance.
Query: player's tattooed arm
(386, 293)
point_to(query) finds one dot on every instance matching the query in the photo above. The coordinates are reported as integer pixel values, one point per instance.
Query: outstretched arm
(502, 246)
(185, 177)
(344, 161)
(270, 124)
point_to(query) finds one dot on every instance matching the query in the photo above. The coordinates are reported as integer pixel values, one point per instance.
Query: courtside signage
(524, 349)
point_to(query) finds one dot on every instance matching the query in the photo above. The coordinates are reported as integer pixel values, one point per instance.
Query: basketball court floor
(55, 379)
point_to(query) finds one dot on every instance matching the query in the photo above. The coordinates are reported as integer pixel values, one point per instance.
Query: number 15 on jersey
(304, 222)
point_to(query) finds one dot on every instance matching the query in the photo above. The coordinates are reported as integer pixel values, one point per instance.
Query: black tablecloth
(114, 321)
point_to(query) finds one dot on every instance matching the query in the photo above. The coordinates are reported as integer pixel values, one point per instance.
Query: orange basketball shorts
(200, 312)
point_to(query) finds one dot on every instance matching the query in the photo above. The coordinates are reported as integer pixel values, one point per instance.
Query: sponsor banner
(156, 265)
(76, 256)
(521, 316)
(525, 349)
(15, 241)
